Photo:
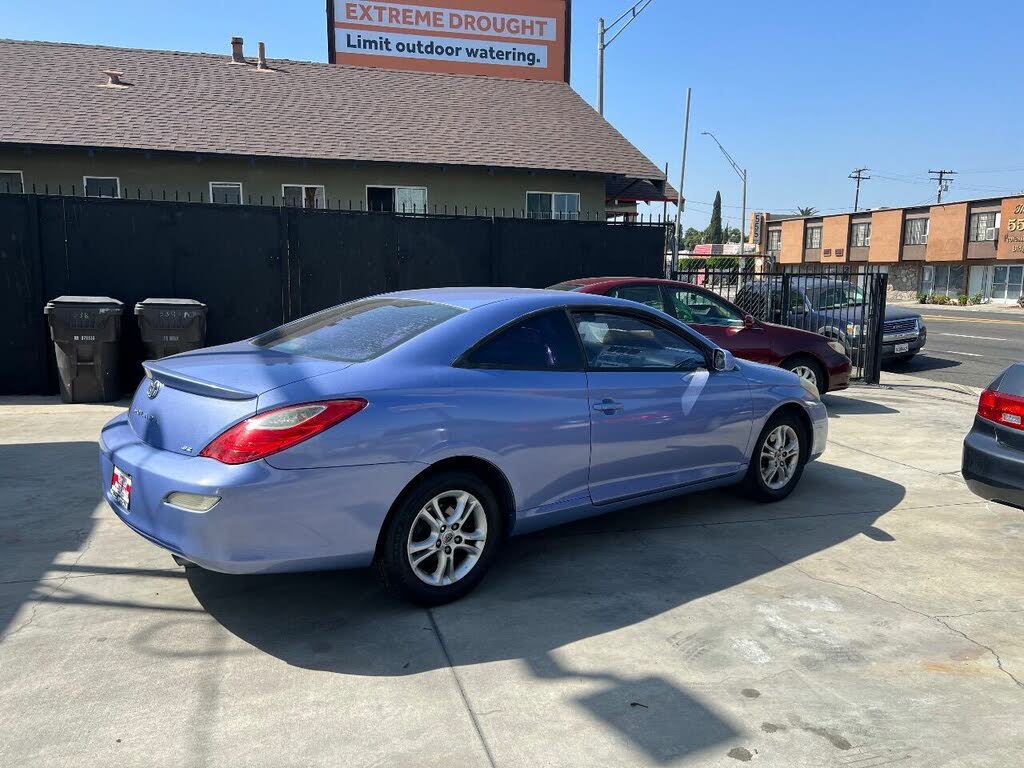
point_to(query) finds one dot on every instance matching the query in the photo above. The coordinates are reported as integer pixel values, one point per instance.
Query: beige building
(229, 129)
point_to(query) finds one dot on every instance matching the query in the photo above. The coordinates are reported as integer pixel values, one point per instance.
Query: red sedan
(809, 355)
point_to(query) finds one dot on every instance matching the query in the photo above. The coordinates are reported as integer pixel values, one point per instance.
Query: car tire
(760, 483)
(422, 538)
(809, 369)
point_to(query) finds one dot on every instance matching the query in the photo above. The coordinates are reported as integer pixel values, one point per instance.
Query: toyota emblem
(154, 389)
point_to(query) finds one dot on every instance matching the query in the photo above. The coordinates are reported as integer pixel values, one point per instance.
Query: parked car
(837, 309)
(993, 459)
(417, 430)
(809, 355)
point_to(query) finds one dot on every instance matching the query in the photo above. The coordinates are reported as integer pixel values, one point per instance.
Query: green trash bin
(86, 333)
(170, 326)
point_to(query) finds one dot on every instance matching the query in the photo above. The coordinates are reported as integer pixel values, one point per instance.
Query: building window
(774, 241)
(1008, 282)
(916, 232)
(942, 280)
(812, 241)
(396, 199)
(228, 192)
(302, 195)
(983, 227)
(11, 181)
(102, 186)
(553, 205)
(860, 235)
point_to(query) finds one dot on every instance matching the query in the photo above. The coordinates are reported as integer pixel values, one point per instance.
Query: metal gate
(844, 302)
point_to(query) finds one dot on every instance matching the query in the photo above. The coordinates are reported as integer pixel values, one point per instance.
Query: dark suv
(836, 309)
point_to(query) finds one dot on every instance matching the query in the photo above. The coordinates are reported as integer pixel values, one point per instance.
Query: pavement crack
(893, 461)
(974, 613)
(462, 691)
(938, 619)
(56, 588)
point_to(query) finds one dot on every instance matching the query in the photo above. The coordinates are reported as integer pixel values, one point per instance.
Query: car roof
(524, 298)
(613, 281)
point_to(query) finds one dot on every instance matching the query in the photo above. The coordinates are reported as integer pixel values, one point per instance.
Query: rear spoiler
(176, 380)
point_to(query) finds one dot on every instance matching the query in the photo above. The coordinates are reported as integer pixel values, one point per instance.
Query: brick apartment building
(967, 247)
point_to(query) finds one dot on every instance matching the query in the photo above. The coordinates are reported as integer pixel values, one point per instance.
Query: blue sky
(799, 92)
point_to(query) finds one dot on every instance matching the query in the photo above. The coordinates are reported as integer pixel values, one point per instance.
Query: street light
(636, 9)
(742, 173)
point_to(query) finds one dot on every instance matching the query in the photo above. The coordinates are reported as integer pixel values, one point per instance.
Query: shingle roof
(198, 102)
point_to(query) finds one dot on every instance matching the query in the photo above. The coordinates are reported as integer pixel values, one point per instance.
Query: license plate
(902, 348)
(121, 487)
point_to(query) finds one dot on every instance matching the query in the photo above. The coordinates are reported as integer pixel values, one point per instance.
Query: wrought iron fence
(233, 198)
(843, 302)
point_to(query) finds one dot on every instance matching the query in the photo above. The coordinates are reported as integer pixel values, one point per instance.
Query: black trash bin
(86, 333)
(170, 326)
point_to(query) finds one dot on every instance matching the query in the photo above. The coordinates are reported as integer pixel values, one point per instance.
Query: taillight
(273, 431)
(1007, 410)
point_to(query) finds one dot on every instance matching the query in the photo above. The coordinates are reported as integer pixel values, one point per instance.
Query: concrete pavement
(875, 617)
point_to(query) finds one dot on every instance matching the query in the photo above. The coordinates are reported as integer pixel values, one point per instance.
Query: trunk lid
(187, 400)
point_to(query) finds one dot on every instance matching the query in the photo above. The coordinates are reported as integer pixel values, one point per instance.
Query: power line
(943, 185)
(858, 174)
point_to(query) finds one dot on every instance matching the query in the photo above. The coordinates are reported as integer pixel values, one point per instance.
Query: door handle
(608, 406)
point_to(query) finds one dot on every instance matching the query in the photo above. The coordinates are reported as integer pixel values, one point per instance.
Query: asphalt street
(966, 347)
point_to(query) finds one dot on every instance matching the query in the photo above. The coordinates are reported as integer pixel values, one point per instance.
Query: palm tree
(807, 211)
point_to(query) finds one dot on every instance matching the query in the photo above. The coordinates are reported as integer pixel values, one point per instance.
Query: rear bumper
(268, 520)
(992, 470)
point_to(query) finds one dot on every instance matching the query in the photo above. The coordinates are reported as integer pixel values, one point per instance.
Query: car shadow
(839, 406)
(924, 361)
(561, 586)
(556, 587)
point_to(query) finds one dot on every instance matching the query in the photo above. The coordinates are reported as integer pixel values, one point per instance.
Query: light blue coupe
(417, 430)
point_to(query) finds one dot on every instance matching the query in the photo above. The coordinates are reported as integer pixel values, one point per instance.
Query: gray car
(837, 309)
(993, 460)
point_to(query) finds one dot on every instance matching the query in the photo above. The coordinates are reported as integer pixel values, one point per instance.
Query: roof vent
(113, 79)
(261, 61)
(237, 57)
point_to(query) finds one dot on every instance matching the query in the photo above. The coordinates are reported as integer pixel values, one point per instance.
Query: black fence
(258, 266)
(844, 302)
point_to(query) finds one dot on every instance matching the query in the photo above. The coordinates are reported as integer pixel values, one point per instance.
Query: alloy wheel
(780, 456)
(807, 373)
(447, 538)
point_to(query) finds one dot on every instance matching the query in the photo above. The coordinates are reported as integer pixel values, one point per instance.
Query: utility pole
(858, 174)
(632, 12)
(943, 184)
(681, 202)
(742, 173)
(600, 65)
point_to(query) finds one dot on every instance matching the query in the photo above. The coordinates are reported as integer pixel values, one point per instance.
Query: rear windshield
(357, 331)
(566, 286)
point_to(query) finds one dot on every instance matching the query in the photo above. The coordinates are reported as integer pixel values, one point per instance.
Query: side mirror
(724, 360)
(748, 321)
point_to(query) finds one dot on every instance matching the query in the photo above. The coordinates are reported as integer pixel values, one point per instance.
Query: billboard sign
(526, 39)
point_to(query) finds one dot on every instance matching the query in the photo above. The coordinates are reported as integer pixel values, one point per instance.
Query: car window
(541, 342)
(569, 285)
(615, 342)
(836, 296)
(796, 300)
(694, 306)
(649, 295)
(357, 331)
